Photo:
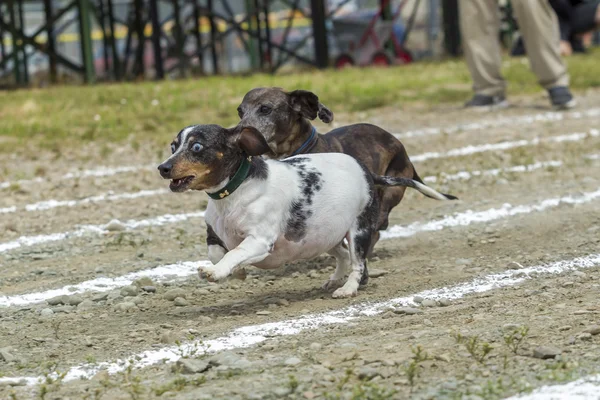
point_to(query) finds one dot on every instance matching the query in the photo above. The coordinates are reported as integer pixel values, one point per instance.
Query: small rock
(443, 357)
(5, 354)
(88, 341)
(114, 226)
(192, 366)
(149, 289)
(315, 346)
(281, 392)
(593, 330)
(86, 304)
(75, 300)
(368, 373)
(568, 284)
(168, 337)
(514, 265)
(429, 303)
(181, 302)
(581, 312)
(229, 359)
(126, 306)
(313, 274)
(565, 328)
(376, 273)
(263, 313)
(585, 336)
(130, 290)
(427, 322)
(58, 300)
(63, 309)
(510, 327)
(444, 302)
(407, 310)
(418, 299)
(46, 313)
(174, 293)
(100, 297)
(292, 361)
(145, 281)
(545, 352)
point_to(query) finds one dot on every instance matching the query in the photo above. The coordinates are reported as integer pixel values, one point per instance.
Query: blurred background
(54, 41)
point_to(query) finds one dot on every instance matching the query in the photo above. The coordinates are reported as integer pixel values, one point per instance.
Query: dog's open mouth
(178, 185)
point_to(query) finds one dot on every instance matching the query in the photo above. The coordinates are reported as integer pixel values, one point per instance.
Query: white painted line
(466, 175)
(110, 196)
(161, 273)
(582, 389)
(469, 217)
(87, 173)
(183, 269)
(463, 151)
(247, 336)
(499, 122)
(26, 241)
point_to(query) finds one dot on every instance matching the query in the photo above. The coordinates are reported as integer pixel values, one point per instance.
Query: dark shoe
(561, 98)
(482, 102)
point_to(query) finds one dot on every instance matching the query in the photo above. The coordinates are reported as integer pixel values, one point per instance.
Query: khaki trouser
(538, 24)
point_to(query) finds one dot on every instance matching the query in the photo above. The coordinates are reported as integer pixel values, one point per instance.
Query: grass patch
(60, 117)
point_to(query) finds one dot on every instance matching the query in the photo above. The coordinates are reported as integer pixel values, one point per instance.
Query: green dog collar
(235, 182)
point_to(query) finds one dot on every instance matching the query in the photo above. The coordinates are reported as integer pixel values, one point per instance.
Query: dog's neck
(229, 185)
(301, 140)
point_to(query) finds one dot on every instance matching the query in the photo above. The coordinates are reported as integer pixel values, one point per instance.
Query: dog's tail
(415, 183)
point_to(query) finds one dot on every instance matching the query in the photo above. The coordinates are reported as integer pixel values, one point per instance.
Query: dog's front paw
(332, 284)
(344, 292)
(211, 274)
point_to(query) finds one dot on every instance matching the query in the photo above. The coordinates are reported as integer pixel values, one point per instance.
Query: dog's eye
(240, 112)
(173, 148)
(196, 147)
(265, 110)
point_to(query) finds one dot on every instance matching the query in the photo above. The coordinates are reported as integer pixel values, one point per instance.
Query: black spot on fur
(310, 184)
(258, 169)
(296, 224)
(212, 238)
(296, 161)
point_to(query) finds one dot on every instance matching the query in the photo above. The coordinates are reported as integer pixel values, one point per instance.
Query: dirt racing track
(493, 296)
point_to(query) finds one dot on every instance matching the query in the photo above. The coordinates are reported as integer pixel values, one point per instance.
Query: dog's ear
(304, 103)
(250, 141)
(325, 114)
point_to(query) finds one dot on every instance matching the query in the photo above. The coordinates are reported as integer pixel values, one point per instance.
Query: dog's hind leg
(359, 242)
(342, 258)
(357, 261)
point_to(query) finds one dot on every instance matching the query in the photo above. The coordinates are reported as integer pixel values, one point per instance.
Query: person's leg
(539, 26)
(479, 26)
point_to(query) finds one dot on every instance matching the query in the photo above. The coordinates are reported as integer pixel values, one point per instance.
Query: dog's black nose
(165, 169)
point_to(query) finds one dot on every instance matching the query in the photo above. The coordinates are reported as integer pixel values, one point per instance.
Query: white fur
(252, 221)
